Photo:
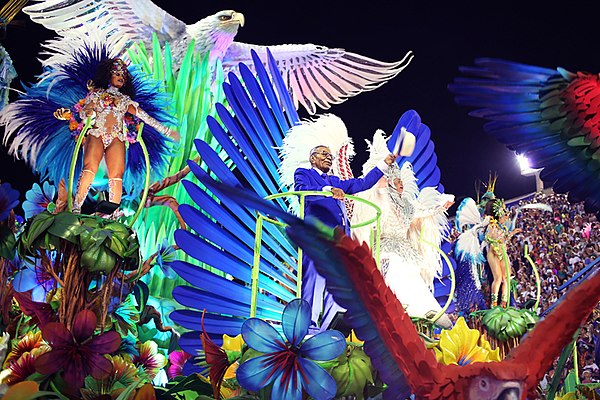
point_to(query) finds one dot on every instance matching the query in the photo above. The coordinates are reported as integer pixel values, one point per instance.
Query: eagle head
(216, 32)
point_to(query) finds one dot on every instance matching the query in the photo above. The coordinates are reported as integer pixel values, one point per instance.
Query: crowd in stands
(561, 243)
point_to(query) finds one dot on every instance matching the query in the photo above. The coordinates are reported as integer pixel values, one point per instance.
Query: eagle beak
(239, 17)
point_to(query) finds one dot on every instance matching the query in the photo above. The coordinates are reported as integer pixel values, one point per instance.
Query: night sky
(443, 37)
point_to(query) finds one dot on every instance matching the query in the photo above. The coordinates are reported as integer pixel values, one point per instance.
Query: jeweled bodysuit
(109, 106)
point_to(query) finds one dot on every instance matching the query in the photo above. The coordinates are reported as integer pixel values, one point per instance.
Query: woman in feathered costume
(491, 232)
(35, 122)
(496, 236)
(407, 214)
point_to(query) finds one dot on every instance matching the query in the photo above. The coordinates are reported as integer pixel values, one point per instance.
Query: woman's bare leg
(93, 151)
(115, 163)
(496, 267)
(505, 288)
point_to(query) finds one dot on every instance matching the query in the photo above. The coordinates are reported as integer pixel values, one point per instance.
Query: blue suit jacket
(327, 209)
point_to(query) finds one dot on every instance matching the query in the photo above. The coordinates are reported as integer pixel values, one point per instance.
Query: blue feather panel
(222, 231)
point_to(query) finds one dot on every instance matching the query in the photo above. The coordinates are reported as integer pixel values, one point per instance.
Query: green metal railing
(147, 182)
(538, 284)
(259, 230)
(373, 241)
(452, 278)
(88, 124)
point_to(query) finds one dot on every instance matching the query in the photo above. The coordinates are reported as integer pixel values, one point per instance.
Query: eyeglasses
(324, 154)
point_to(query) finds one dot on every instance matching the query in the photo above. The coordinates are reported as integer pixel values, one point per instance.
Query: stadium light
(526, 170)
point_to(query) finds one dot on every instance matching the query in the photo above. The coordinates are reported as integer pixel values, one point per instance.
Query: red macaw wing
(544, 343)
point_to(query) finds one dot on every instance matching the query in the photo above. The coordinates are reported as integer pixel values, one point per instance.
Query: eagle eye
(224, 17)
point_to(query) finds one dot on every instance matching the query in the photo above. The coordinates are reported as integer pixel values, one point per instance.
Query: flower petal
(256, 373)
(289, 389)
(51, 362)
(296, 320)
(99, 366)
(38, 294)
(57, 334)
(74, 374)
(324, 346)
(48, 191)
(105, 343)
(22, 390)
(317, 383)
(24, 280)
(146, 392)
(261, 336)
(84, 325)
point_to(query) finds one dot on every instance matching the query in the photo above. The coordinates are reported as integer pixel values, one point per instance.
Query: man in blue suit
(332, 212)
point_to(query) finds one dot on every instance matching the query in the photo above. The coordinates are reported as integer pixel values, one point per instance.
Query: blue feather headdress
(47, 144)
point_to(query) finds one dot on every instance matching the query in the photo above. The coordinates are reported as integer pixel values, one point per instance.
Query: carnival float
(169, 251)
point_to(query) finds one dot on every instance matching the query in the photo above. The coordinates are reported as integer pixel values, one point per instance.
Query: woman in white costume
(412, 223)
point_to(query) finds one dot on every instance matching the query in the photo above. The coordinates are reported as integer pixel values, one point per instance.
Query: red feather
(581, 102)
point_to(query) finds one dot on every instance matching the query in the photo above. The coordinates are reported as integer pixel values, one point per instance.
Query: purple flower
(289, 364)
(38, 199)
(34, 277)
(77, 352)
(9, 198)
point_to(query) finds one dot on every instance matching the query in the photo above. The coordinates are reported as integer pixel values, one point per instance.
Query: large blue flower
(9, 198)
(38, 199)
(289, 364)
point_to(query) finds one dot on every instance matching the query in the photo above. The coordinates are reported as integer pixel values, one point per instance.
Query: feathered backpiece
(326, 130)
(499, 208)
(47, 144)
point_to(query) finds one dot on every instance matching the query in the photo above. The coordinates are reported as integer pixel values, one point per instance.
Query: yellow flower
(31, 340)
(234, 343)
(230, 372)
(567, 396)
(352, 338)
(462, 345)
(226, 392)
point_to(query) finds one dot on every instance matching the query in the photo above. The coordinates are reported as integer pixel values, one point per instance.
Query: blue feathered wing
(549, 115)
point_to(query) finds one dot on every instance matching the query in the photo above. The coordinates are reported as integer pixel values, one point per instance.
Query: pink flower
(177, 360)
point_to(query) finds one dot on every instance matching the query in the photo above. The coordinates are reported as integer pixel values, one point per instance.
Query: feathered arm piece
(428, 228)
(535, 206)
(143, 115)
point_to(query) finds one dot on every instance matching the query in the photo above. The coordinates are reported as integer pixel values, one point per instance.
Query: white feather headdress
(326, 130)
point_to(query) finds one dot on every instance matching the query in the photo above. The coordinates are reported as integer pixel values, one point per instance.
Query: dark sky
(443, 37)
